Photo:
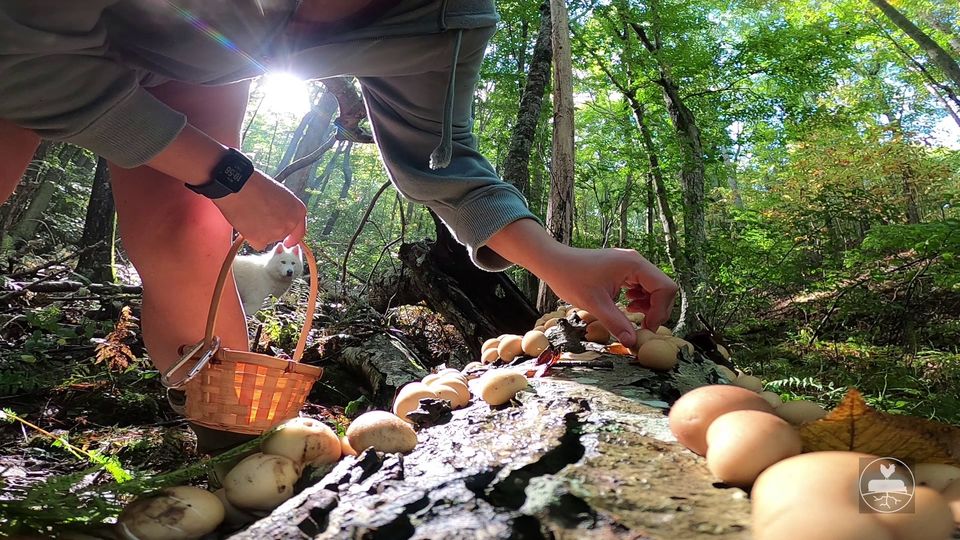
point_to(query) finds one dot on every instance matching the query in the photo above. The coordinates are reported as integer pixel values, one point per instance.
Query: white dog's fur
(265, 274)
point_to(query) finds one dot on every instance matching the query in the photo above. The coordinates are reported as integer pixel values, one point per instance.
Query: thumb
(661, 303)
(614, 321)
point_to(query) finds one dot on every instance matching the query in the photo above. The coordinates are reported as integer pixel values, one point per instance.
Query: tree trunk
(98, 228)
(910, 195)
(295, 140)
(674, 254)
(953, 38)
(316, 132)
(478, 303)
(692, 173)
(516, 167)
(560, 207)
(17, 202)
(26, 228)
(623, 237)
(344, 191)
(731, 168)
(934, 51)
(651, 208)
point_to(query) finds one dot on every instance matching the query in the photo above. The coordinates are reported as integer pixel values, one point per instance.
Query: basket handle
(222, 279)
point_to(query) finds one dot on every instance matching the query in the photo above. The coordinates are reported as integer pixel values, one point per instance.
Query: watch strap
(211, 190)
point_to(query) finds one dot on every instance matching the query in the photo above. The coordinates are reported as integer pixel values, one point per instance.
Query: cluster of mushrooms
(264, 480)
(658, 350)
(257, 484)
(750, 438)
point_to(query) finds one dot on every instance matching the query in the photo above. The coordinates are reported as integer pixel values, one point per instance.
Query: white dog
(271, 273)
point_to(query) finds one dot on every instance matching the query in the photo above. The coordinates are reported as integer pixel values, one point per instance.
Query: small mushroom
(182, 512)
(534, 342)
(551, 322)
(597, 333)
(451, 371)
(449, 393)
(430, 378)
(510, 347)
(682, 344)
(800, 411)
(470, 367)
(727, 373)
(644, 335)
(408, 398)
(345, 447)
(586, 316)
(304, 440)
(500, 386)
(658, 354)
(381, 431)
(634, 317)
(772, 398)
(491, 343)
(749, 382)
(261, 481)
(489, 356)
(664, 331)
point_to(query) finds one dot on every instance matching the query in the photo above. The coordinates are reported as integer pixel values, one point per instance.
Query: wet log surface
(584, 454)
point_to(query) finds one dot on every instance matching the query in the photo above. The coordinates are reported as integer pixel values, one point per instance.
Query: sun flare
(285, 93)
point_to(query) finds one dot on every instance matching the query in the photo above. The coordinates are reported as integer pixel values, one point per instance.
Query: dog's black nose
(289, 273)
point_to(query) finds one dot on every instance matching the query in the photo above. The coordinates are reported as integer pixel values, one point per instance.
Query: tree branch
(356, 234)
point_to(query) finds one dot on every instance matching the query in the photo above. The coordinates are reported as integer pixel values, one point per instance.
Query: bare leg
(17, 146)
(177, 239)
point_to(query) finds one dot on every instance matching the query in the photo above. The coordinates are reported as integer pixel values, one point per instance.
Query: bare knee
(188, 243)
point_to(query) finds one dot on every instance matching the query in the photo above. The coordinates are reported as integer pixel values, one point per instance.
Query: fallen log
(573, 458)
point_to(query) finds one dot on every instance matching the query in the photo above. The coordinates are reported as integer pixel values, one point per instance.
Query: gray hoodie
(75, 71)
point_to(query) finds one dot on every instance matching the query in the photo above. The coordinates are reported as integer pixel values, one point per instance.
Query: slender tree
(98, 229)
(940, 57)
(516, 167)
(560, 206)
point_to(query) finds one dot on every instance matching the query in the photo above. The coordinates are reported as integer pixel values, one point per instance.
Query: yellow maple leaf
(853, 425)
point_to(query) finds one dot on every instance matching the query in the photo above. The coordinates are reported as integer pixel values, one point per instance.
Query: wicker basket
(241, 391)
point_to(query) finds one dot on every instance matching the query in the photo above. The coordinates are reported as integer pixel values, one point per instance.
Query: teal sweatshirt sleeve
(57, 79)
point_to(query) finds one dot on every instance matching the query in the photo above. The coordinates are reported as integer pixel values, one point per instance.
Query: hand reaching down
(265, 211)
(591, 279)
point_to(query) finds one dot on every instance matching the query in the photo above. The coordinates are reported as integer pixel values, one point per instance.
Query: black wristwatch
(230, 174)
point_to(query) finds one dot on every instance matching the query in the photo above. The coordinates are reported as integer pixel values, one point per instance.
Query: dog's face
(285, 263)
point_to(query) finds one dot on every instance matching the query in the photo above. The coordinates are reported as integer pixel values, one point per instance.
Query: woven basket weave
(241, 391)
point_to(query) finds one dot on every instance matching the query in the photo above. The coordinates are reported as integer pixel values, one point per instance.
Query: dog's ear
(279, 248)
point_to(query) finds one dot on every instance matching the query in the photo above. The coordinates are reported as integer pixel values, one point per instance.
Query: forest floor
(73, 364)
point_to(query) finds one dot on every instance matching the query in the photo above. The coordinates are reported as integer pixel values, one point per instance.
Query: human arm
(263, 210)
(57, 81)
(590, 278)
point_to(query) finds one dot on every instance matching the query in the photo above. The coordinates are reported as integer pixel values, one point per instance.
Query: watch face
(233, 175)
(234, 170)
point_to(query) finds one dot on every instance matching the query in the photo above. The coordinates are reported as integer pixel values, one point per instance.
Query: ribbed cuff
(481, 218)
(133, 131)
